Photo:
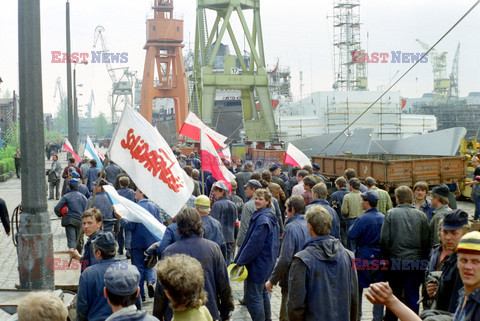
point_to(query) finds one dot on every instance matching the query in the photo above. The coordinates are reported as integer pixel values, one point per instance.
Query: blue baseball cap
(74, 174)
(371, 196)
(74, 181)
(122, 278)
(454, 220)
(105, 240)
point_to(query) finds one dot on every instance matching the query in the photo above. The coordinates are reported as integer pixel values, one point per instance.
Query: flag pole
(102, 175)
(201, 162)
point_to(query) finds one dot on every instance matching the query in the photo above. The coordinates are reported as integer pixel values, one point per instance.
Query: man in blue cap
(91, 303)
(366, 232)
(121, 290)
(225, 212)
(81, 187)
(72, 221)
(316, 171)
(439, 200)
(445, 289)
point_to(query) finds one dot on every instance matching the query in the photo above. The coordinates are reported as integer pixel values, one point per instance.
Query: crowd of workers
(323, 245)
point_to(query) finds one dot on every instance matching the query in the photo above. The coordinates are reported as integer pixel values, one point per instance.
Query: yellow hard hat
(202, 200)
(469, 242)
(237, 272)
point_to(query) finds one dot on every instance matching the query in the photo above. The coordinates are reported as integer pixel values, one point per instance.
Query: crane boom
(99, 34)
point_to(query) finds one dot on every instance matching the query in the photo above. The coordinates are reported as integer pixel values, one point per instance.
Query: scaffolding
(349, 75)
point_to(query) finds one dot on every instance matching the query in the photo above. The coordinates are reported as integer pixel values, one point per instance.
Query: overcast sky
(296, 32)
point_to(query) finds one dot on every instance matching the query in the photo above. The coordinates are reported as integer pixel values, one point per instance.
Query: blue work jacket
(217, 285)
(295, 237)
(322, 284)
(471, 310)
(225, 212)
(213, 232)
(128, 193)
(142, 238)
(366, 231)
(88, 257)
(259, 250)
(76, 205)
(169, 237)
(81, 188)
(335, 229)
(91, 303)
(92, 176)
(102, 202)
(336, 201)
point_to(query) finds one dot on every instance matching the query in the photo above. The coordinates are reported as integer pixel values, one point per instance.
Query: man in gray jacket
(405, 243)
(54, 178)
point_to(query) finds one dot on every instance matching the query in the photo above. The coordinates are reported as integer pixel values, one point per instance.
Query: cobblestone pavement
(10, 191)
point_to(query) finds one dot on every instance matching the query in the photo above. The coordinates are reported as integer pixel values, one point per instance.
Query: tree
(101, 126)
(61, 121)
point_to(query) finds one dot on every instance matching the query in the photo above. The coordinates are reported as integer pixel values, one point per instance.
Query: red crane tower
(164, 51)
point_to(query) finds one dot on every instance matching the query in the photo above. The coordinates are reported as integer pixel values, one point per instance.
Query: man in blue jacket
(220, 300)
(320, 194)
(258, 253)
(72, 221)
(295, 237)
(225, 212)
(91, 303)
(366, 231)
(141, 241)
(124, 237)
(102, 202)
(322, 283)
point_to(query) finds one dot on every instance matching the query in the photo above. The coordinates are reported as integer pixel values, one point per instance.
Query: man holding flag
(140, 241)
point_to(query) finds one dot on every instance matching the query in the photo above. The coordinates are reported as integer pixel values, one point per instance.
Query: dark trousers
(230, 253)
(72, 232)
(17, 170)
(145, 274)
(258, 301)
(405, 286)
(54, 186)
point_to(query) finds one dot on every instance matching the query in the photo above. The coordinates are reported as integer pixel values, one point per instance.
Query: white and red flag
(191, 128)
(69, 148)
(139, 149)
(212, 162)
(295, 157)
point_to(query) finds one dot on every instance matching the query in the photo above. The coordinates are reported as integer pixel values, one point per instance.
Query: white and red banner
(212, 162)
(69, 148)
(139, 149)
(295, 157)
(191, 128)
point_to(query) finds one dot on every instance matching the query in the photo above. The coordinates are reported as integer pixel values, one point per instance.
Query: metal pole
(75, 109)
(71, 126)
(35, 240)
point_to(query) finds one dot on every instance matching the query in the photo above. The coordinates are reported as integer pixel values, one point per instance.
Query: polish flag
(191, 129)
(211, 161)
(69, 148)
(295, 157)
